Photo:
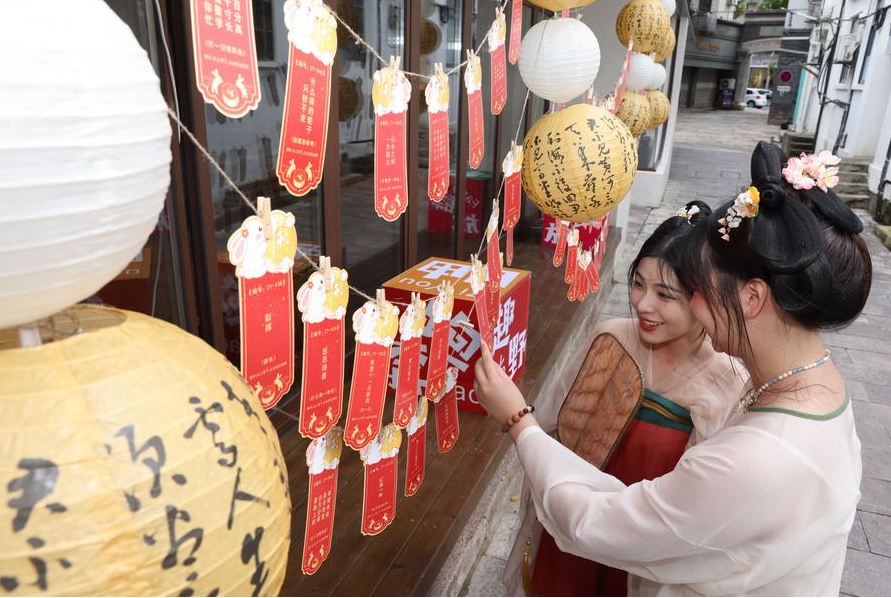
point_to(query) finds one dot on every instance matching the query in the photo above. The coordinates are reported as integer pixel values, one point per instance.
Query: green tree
(773, 4)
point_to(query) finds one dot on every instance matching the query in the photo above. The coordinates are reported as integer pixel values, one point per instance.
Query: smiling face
(661, 304)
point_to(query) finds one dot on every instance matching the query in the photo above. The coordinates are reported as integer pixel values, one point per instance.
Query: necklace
(751, 397)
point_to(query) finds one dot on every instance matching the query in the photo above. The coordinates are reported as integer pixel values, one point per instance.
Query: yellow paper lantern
(665, 46)
(634, 111)
(136, 461)
(578, 163)
(431, 37)
(660, 107)
(644, 22)
(558, 5)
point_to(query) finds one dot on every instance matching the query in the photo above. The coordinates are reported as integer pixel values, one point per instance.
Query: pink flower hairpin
(813, 169)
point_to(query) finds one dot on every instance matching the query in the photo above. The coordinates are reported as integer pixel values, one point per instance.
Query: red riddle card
(390, 93)
(322, 459)
(437, 96)
(380, 457)
(322, 300)
(480, 302)
(496, 38)
(439, 342)
(375, 324)
(263, 268)
(493, 269)
(562, 233)
(572, 244)
(511, 166)
(411, 329)
(473, 82)
(447, 430)
(417, 448)
(226, 55)
(516, 30)
(312, 33)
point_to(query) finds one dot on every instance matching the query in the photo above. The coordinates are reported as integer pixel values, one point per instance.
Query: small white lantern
(84, 154)
(670, 6)
(641, 71)
(659, 75)
(559, 59)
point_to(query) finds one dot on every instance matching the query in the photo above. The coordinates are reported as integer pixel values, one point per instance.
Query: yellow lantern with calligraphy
(660, 107)
(136, 461)
(558, 5)
(644, 22)
(665, 46)
(634, 111)
(578, 163)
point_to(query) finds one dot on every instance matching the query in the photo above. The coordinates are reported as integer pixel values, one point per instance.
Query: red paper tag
(375, 324)
(562, 233)
(516, 30)
(390, 94)
(437, 96)
(379, 502)
(493, 269)
(572, 242)
(226, 56)
(417, 449)
(473, 82)
(322, 458)
(411, 329)
(439, 341)
(511, 166)
(322, 300)
(447, 415)
(497, 35)
(478, 287)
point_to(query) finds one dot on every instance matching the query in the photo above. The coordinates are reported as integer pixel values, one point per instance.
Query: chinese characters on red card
(390, 94)
(322, 459)
(437, 96)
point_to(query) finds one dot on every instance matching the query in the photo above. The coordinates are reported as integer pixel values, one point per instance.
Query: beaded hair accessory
(813, 170)
(744, 206)
(688, 213)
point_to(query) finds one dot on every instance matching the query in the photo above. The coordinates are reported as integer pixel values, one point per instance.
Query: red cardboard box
(464, 347)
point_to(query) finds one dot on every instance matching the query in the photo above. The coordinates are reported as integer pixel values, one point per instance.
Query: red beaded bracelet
(517, 417)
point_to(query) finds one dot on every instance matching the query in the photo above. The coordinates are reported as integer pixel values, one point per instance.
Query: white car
(754, 98)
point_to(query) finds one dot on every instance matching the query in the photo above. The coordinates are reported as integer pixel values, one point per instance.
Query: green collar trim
(826, 417)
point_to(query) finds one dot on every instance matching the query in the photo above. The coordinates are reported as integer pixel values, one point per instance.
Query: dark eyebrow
(668, 287)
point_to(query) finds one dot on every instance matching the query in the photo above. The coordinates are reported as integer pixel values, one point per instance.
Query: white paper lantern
(84, 154)
(641, 71)
(559, 59)
(659, 75)
(670, 6)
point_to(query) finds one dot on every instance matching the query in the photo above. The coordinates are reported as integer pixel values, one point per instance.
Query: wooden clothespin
(381, 298)
(264, 211)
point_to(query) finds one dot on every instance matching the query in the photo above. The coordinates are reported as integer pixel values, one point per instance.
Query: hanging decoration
(643, 22)
(572, 254)
(493, 268)
(322, 459)
(660, 108)
(559, 5)
(381, 469)
(81, 190)
(375, 324)
(641, 72)
(586, 279)
(496, 38)
(559, 59)
(659, 75)
(136, 461)
(480, 302)
(390, 92)
(312, 41)
(437, 96)
(430, 37)
(411, 329)
(511, 166)
(634, 111)
(562, 235)
(437, 358)
(665, 46)
(417, 448)
(322, 301)
(670, 6)
(262, 251)
(473, 83)
(225, 54)
(597, 170)
(516, 30)
(446, 405)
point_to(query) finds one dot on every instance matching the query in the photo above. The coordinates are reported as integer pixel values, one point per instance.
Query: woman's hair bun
(767, 175)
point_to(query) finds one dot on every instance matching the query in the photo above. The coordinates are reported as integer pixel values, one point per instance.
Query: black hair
(804, 244)
(667, 242)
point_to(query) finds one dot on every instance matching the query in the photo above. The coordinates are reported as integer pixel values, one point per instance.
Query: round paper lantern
(641, 71)
(84, 157)
(665, 46)
(659, 75)
(644, 22)
(660, 107)
(670, 6)
(348, 102)
(597, 166)
(559, 5)
(559, 59)
(430, 37)
(634, 111)
(136, 462)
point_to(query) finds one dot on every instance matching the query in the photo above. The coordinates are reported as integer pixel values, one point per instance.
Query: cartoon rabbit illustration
(247, 249)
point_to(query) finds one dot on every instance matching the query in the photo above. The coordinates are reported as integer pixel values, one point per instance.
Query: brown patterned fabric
(601, 402)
